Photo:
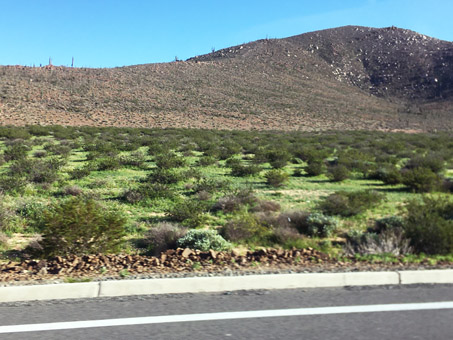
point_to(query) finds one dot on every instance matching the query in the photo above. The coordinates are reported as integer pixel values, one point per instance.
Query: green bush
(245, 227)
(79, 226)
(431, 161)
(206, 161)
(204, 240)
(108, 163)
(240, 170)
(349, 203)
(278, 158)
(169, 160)
(421, 180)
(33, 212)
(16, 152)
(338, 173)
(135, 159)
(388, 223)
(389, 174)
(429, 225)
(163, 176)
(190, 213)
(276, 178)
(12, 183)
(6, 217)
(79, 173)
(211, 185)
(315, 168)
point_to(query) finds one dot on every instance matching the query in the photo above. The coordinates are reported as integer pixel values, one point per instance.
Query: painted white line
(225, 316)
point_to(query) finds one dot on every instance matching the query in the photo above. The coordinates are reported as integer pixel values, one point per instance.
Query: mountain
(343, 78)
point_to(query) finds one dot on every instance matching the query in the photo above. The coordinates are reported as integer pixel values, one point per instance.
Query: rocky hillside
(344, 78)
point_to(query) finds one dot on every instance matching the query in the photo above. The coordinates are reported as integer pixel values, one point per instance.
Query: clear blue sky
(107, 33)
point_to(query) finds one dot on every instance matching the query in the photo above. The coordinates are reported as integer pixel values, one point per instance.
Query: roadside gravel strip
(219, 284)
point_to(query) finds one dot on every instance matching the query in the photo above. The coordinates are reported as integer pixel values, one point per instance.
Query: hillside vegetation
(72, 191)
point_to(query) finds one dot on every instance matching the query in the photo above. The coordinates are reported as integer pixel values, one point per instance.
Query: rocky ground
(187, 262)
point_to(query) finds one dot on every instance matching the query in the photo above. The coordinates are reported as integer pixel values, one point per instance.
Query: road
(359, 313)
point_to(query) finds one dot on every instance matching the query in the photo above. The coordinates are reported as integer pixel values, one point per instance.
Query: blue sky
(108, 33)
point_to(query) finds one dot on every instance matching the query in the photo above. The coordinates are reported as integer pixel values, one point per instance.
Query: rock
(186, 253)
(235, 253)
(213, 253)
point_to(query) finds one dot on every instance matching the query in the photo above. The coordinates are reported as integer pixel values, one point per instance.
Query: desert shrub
(163, 236)
(421, 179)
(38, 170)
(240, 170)
(388, 223)
(12, 132)
(108, 163)
(163, 176)
(169, 160)
(72, 190)
(12, 183)
(15, 152)
(311, 154)
(285, 236)
(389, 241)
(156, 190)
(389, 174)
(265, 206)
(79, 226)
(431, 161)
(59, 149)
(321, 225)
(148, 191)
(235, 201)
(276, 178)
(79, 173)
(294, 219)
(136, 159)
(206, 161)
(133, 196)
(22, 167)
(349, 203)
(204, 240)
(278, 158)
(310, 224)
(244, 227)
(6, 217)
(211, 185)
(315, 168)
(429, 225)
(190, 213)
(232, 162)
(37, 130)
(338, 173)
(33, 213)
(45, 171)
(229, 149)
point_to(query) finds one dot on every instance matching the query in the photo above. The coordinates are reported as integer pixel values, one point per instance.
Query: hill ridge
(351, 77)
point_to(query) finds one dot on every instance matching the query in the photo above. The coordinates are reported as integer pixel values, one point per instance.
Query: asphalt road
(402, 324)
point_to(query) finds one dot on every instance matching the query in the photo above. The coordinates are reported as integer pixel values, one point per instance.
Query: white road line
(225, 316)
